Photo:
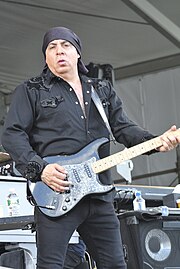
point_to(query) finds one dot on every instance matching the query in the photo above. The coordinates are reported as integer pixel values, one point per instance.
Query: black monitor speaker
(152, 243)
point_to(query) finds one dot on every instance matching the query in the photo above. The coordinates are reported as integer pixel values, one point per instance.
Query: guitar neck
(127, 154)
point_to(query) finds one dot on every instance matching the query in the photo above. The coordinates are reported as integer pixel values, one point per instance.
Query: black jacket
(45, 118)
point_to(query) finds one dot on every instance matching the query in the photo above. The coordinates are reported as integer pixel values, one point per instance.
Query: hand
(170, 139)
(55, 177)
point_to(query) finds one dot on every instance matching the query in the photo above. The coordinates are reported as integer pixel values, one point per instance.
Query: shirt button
(76, 103)
(82, 117)
(86, 103)
(70, 89)
(88, 91)
(88, 132)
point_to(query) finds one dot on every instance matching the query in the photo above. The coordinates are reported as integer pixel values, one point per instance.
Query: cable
(123, 197)
(29, 261)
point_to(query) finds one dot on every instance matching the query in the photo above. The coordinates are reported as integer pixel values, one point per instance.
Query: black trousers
(74, 261)
(98, 225)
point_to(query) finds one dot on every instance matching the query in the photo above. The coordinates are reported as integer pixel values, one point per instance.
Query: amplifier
(152, 194)
(150, 242)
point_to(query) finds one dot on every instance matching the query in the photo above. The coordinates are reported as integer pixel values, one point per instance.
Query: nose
(59, 49)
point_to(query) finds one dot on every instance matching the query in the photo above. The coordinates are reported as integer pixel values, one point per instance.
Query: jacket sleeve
(18, 123)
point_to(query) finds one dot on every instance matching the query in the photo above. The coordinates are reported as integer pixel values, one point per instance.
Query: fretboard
(127, 154)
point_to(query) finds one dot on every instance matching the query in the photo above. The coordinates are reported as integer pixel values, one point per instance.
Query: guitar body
(80, 173)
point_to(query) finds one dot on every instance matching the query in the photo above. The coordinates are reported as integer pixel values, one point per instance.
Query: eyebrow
(55, 42)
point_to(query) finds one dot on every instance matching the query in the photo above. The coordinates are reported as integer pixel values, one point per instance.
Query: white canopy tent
(123, 33)
(136, 37)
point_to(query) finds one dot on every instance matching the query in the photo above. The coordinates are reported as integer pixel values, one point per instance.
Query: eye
(52, 46)
(67, 44)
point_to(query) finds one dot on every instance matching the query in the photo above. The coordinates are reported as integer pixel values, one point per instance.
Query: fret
(127, 154)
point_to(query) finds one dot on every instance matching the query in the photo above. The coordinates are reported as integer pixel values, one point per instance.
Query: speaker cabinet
(151, 243)
(13, 259)
(18, 258)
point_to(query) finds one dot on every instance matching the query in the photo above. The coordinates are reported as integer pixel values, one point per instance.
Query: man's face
(61, 57)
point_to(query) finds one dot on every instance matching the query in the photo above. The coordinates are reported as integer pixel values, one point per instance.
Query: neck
(71, 76)
(71, 79)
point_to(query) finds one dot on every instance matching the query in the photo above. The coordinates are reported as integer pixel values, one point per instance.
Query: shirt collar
(50, 78)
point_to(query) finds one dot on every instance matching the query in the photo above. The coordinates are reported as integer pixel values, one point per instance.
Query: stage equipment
(151, 240)
(19, 222)
(170, 199)
(101, 71)
(152, 194)
(125, 169)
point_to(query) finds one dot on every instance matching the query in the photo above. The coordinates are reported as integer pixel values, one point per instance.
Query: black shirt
(45, 118)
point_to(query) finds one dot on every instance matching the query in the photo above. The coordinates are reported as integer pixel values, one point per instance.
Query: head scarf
(68, 35)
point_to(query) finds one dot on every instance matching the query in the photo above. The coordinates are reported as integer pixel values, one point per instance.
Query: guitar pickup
(88, 172)
(76, 175)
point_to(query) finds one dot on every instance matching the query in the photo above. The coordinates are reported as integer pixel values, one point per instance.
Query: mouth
(61, 62)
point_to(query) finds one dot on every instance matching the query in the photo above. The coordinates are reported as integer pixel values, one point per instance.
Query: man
(53, 115)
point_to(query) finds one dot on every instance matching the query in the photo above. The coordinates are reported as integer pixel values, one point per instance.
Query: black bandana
(68, 35)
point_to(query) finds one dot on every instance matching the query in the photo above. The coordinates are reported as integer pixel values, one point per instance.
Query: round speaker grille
(158, 245)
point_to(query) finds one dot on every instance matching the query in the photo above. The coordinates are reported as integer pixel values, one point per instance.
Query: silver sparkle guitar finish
(80, 173)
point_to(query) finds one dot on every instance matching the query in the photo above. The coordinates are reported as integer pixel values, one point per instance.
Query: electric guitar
(83, 168)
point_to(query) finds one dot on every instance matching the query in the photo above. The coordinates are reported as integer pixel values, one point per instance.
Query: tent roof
(111, 32)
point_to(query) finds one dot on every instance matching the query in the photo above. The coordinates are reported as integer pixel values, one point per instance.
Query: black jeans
(98, 225)
(72, 260)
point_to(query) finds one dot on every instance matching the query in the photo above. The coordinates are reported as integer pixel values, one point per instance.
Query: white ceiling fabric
(110, 31)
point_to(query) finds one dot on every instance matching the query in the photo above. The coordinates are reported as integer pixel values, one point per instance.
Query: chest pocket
(54, 110)
(51, 102)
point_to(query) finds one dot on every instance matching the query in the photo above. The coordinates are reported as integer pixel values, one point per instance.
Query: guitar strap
(99, 106)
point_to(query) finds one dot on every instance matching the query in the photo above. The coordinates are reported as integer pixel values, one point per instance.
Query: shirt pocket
(54, 110)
